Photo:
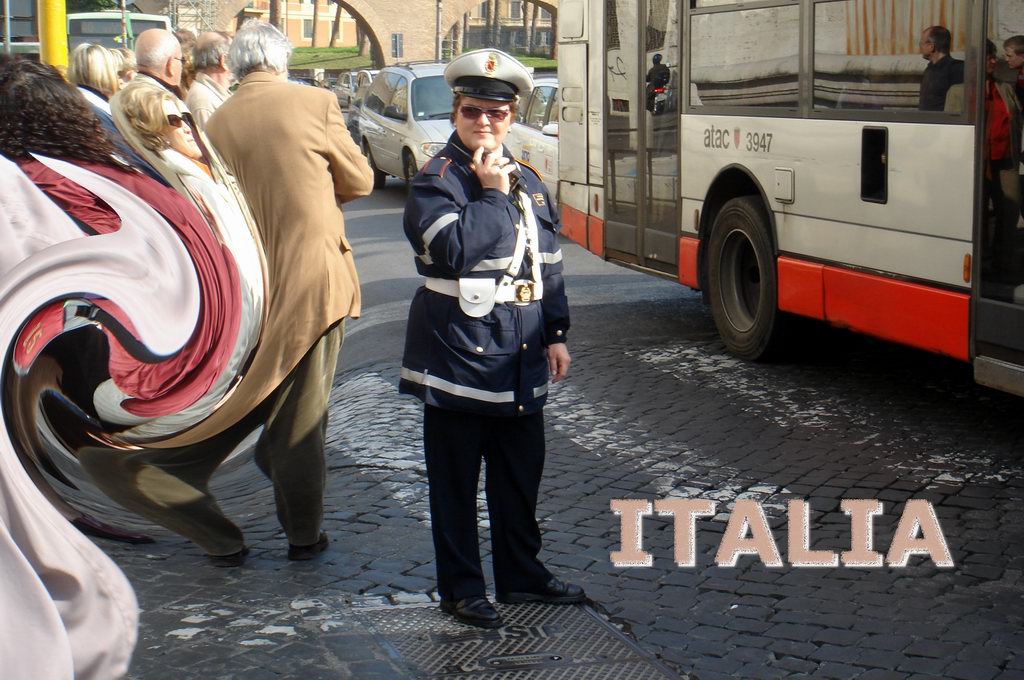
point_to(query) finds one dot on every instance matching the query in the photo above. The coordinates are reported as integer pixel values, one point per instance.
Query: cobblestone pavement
(653, 408)
(677, 418)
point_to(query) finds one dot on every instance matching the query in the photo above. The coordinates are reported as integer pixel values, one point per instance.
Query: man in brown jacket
(289, 149)
(291, 153)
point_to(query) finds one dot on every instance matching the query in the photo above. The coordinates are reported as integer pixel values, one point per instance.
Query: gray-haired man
(210, 88)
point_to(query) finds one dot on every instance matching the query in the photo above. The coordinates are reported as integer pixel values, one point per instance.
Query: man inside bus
(942, 72)
(159, 58)
(1013, 50)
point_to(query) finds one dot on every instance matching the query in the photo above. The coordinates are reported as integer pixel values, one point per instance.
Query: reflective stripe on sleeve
(551, 258)
(540, 391)
(458, 390)
(500, 263)
(439, 224)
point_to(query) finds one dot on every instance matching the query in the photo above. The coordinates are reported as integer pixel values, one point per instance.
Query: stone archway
(460, 7)
(365, 14)
(414, 20)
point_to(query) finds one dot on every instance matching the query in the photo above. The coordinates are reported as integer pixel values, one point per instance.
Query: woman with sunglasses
(485, 334)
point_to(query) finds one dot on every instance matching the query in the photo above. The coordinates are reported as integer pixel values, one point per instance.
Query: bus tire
(380, 178)
(742, 282)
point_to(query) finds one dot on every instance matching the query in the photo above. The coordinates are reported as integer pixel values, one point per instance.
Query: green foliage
(91, 5)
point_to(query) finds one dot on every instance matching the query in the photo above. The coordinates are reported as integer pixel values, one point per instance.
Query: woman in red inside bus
(1002, 158)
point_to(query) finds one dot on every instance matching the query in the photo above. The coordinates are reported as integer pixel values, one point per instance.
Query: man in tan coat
(291, 153)
(289, 149)
(213, 77)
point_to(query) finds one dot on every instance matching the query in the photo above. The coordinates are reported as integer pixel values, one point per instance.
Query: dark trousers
(513, 449)
(1004, 189)
(171, 486)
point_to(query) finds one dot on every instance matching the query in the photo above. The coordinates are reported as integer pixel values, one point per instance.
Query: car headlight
(432, 148)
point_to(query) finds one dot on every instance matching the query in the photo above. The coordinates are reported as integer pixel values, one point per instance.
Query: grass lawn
(345, 58)
(540, 63)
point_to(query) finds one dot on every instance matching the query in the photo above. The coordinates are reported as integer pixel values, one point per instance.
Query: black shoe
(474, 611)
(299, 553)
(555, 592)
(235, 559)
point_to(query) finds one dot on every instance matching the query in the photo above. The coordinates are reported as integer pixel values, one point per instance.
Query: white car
(404, 120)
(533, 137)
(349, 83)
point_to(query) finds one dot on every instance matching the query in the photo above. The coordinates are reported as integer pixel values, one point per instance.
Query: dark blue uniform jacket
(495, 364)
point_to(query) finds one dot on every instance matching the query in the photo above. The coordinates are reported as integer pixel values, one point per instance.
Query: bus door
(999, 243)
(641, 132)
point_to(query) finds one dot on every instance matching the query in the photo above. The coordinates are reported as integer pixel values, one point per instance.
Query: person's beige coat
(204, 97)
(289, 149)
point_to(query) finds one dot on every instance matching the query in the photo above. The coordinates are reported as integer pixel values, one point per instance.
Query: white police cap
(488, 74)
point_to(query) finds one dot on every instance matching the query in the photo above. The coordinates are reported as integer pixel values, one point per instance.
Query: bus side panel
(921, 231)
(572, 126)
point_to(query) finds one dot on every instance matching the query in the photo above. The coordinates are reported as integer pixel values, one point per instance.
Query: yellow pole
(53, 33)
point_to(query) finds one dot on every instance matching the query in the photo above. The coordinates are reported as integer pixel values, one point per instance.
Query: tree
(337, 24)
(531, 43)
(91, 5)
(554, 37)
(316, 21)
(361, 38)
(496, 28)
(275, 13)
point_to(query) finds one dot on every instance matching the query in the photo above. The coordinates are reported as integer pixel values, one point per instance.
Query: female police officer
(484, 332)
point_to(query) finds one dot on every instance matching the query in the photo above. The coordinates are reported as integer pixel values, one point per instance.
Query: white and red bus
(775, 155)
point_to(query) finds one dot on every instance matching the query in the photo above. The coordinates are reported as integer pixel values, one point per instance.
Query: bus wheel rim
(741, 281)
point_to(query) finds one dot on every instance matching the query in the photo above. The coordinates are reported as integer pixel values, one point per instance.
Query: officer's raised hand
(492, 170)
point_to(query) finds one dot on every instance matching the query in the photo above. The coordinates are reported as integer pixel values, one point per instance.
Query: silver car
(349, 83)
(404, 120)
(534, 135)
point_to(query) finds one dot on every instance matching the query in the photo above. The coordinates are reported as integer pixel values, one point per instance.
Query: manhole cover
(538, 642)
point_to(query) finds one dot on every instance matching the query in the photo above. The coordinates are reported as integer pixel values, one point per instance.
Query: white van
(404, 119)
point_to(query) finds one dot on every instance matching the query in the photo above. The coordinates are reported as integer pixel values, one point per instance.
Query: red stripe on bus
(574, 225)
(801, 288)
(689, 248)
(908, 313)
(595, 234)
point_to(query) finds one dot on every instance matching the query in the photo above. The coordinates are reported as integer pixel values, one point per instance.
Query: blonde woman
(152, 122)
(127, 68)
(93, 68)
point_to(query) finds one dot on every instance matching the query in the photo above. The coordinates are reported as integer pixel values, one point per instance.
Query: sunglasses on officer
(474, 112)
(174, 120)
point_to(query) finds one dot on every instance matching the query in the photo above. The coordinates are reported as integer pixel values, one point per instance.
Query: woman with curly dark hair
(41, 112)
(44, 119)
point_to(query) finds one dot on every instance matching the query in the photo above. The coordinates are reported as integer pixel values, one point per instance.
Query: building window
(307, 29)
(544, 14)
(515, 9)
(481, 11)
(396, 46)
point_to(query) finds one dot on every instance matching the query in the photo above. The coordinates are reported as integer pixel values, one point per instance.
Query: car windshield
(431, 98)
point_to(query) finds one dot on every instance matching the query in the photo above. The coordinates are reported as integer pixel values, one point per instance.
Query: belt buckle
(524, 293)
